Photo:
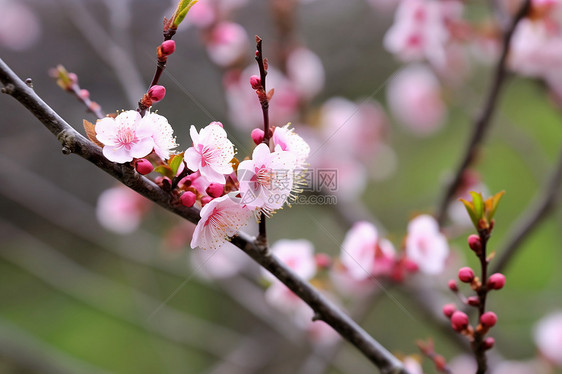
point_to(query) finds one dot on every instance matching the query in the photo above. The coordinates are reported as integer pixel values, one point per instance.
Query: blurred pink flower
(520, 367)
(211, 153)
(548, 337)
(227, 43)
(220, 219)
(266, 181)
(120, 209)
(425, 245)
(19, 27)
(364, 254)
(419, 31)
(306, 72)
(125, 137)
(412, 365)
(414, 97)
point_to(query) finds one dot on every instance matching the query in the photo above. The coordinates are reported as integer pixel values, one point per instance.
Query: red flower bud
(156, 93)
(488, 343)
(84, 94)
(143, 166)
(206, 200)
(257, 136)
(496, 281)
(188, 199)
(474, 243)
(168, 47)
(255, 82)
(453, 286)
(489, 319)
(215, 189)
(440, 363)
(449, 309)
(459, 321)
(466, 275)
(473, 301)
(323, 260)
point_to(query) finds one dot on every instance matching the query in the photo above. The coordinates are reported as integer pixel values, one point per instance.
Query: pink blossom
(211, 153)
(202, 15)
(365, 254)
(162, 134)
(19, 26)
(419, 31)
(220, 219)
(125, 137)
(425, 245)
(266, 181)
(223, 263)
(521, 367)
(306, 72)
(298, 255)
(289, 141)
(548, 337)
(414, 97)
(228, 43)
(120, 209)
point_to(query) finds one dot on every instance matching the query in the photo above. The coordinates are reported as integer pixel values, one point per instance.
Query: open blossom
(425, 245)
(162, 134)
(211, 153)
(419, 31)
(266, 181)
(414, 97)
(548, 337)
(364, 254)
(125, 137)
(289, 141)
(220, 219)
(120, 209)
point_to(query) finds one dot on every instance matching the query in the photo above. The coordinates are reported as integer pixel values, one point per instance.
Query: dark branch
(74, 142)
(483, 121)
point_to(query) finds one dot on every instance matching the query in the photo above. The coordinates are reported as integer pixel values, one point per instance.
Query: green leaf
(181, 11)
(494, 204)
(478, 203)
(164, 170)
(175, 162)
(470, 209)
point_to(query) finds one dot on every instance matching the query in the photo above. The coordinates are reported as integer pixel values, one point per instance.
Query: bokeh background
(76, 298)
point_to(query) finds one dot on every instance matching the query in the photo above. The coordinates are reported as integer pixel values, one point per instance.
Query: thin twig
(483, 121)
(73, 142)
(529, 220)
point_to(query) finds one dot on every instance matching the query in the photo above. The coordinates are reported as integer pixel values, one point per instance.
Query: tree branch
(74, 142)
(483, 121)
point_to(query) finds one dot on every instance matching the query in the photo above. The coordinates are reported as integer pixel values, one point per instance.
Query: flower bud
(84, 94)
(206, 200)
(453, 286)
(257, 136)
(143, 166)
(489, 319)
(188, 198)
(440, 362)
(496, 281)
(488, 343)
(459, 321)
(168, 47)
(473, 301)
(73, 77)
(156, 93)
(215, 189)
(466, 274)
(449, 309)
(323, 260)
(475, 243)
(255, 82)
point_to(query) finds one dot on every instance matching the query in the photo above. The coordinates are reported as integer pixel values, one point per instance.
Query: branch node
(316, 317)
(66, 138)
(29, 82)
(8, 89)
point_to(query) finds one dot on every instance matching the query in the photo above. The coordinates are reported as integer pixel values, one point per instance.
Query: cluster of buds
(428, 350)
(69, 82)
(481, 213)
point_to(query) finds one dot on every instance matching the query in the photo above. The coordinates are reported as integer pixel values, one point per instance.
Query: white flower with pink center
(220, 219)
(125, 137)
(419, 31)
(211, 153)
(266, 181)
(289, 141)
(426, 246)
(364, 254)
(162, 134)
(414, 97)
(548, 337)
